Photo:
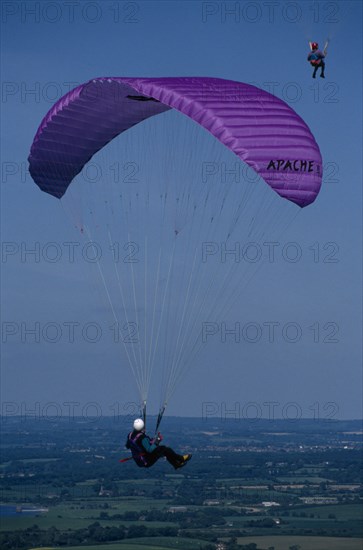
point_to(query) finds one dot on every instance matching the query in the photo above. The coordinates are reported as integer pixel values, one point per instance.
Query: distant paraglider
(316, 58)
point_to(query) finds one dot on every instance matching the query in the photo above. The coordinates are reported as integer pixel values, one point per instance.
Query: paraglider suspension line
(160, 416)
(143, 412)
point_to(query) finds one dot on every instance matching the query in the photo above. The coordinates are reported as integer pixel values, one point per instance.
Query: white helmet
(139, 424)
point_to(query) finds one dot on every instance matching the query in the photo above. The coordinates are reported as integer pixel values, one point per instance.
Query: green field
(301, 479)
(279, 543)
(77, 516)
(306, 543)
(341, 511)
(108, 547)
(155, 543)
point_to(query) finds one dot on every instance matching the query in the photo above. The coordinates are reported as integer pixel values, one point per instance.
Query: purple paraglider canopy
(261, 129)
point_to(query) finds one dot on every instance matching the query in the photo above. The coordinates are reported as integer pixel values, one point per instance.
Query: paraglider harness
(136, 448)
(314, 59)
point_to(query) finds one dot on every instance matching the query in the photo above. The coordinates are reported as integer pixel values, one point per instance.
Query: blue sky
(47, 46)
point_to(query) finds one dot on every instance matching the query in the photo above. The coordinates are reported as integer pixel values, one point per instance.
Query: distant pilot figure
(316, 58)
(146, 451)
